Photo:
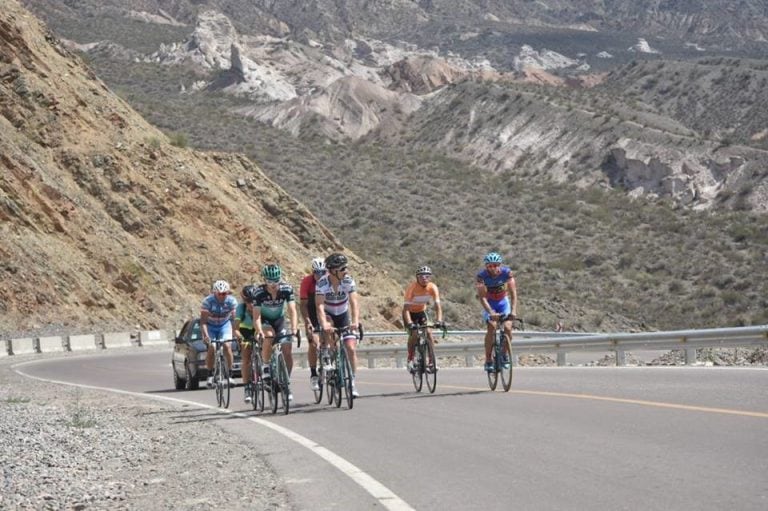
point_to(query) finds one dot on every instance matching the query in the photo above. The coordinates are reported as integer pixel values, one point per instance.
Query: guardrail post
(400, 362)
(621, 358)
(561, 358)
(690, 356)
(371, 362)
(469, 359)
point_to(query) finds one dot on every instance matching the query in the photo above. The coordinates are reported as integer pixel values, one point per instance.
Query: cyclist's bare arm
(512, 292)
(293, 317)
(354, 309)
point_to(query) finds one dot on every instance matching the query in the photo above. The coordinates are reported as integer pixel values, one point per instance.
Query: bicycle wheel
(285, 382)
(493, 375)
(224, 385)
(257, 387)
(431, 368)
(506, 374)
(274, 387)
(338, 382)
(348, 382)
(330, 381)
(418, 373)
(320, 383)
(217, 381)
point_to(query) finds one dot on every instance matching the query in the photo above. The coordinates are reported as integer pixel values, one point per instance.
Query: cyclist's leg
(266, 346)
(490, 331)
(350, 339)
(280, 331)
(505, 309)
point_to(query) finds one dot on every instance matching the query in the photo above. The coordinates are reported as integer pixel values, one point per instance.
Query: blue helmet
(492, 258)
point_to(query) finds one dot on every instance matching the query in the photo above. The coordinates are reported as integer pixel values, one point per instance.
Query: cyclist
(217, 313)
(337, 306)
(244, 325)
(309, 315)
(418, 296)
(497, 293)
(268, 304)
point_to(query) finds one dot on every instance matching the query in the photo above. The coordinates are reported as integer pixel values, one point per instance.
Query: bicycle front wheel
(285, 382)
(348, 382)
(506, 368)
(217, 381)
(224, 386)
(493, 374)
(431, 368)
(258, 384)
(418, 363)
(338, 382)
(320, 383)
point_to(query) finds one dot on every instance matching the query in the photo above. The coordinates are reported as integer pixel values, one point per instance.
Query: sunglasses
(492, 265)
(319, 272)
(343, 268)
(270, 281)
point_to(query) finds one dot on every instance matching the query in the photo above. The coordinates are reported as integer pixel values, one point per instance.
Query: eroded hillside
(106, 222)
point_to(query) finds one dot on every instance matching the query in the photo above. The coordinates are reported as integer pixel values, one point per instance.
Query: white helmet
(318, 265)
(220, 286)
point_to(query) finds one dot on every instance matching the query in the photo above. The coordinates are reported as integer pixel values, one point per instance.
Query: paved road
(564, 438)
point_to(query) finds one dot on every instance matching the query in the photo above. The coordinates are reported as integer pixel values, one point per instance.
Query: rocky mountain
(346, 70)
(108, 223)
(554, 118)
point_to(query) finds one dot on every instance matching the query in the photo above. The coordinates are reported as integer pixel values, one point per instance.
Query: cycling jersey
(242, 315)
(307, 292)
(336, 300)
(495, 285)
(272, 308)
(219, 313)
(417, 297)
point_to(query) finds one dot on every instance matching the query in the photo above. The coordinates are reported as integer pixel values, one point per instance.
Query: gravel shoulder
(65, 447)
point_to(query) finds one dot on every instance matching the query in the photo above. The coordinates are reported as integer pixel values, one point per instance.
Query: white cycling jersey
(336, 300)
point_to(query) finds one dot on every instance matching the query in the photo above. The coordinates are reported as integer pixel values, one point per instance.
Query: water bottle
(265, 371)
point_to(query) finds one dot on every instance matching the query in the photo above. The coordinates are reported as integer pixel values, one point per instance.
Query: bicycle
(323, 364)
(502, 345)
(221, 373)
(338, 374)
(256, 387)
(280, 384)
(423, 353)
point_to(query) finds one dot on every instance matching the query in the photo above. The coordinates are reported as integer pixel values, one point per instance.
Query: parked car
(188, 359)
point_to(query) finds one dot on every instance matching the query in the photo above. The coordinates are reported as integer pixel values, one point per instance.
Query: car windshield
(195, 334)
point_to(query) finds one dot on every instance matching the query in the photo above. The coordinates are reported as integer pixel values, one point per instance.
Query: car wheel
(179, 383)
(192, 382)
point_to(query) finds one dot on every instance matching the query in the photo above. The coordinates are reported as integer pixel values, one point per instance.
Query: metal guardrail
(561, 343)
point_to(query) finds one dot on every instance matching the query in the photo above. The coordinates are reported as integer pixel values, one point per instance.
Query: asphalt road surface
(651, 438)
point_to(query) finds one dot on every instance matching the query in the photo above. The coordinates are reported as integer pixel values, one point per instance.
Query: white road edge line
(377, 490)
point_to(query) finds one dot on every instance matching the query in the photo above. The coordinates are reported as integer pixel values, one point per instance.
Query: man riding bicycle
(268, 305)
(217, 314)
(497, 293)
(244, 324)
(309, 315)
(337, 307)
(418, 296)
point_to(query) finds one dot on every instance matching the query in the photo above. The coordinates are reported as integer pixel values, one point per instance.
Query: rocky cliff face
(107, 224)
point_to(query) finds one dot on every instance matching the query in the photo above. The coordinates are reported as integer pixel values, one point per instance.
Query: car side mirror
(179, 340)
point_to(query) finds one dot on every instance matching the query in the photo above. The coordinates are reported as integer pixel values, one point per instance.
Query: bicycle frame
(221, 372)
(424, 353)
(281, 379)
(340, 375)
(257, 388)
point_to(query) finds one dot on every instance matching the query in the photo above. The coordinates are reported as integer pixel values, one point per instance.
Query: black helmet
(247, 292)
(335, 261)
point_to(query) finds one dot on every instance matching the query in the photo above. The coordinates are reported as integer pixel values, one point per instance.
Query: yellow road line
(641, 402)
